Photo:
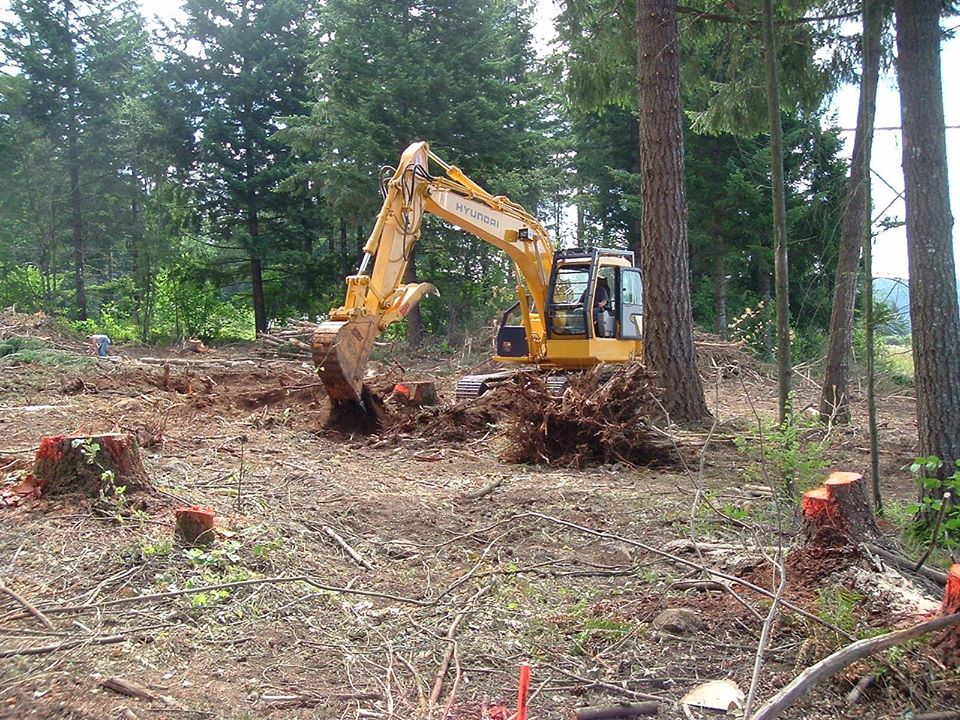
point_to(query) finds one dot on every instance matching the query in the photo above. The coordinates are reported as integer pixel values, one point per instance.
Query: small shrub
(794, 453)
(927, 472)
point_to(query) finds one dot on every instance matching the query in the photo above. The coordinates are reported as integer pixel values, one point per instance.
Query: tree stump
(415, 394)
(94, 465)
(195, 525)
(949, 644)
(839, 510)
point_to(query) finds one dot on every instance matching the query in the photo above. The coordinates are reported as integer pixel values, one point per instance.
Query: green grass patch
(31, 351)
(898, 361)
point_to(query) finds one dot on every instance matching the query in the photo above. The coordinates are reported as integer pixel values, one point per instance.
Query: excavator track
(470, 387)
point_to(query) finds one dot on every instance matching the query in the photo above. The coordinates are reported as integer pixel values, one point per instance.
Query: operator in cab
(601, 304)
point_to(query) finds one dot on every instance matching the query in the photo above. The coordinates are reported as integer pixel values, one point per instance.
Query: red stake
(523, 690)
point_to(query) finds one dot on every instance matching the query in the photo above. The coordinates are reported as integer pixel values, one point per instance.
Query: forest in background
(206, 178)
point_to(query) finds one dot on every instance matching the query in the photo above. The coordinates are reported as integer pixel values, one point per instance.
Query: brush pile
(604, 416)
(472, 420)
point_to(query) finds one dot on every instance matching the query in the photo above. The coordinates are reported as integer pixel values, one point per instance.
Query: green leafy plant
(927, 472)
(836, 606)
(794, 453)
(111, 494)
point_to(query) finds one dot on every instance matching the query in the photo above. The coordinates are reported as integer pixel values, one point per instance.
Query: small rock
(679, 621)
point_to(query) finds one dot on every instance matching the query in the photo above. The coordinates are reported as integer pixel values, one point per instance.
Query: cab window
(569, 293)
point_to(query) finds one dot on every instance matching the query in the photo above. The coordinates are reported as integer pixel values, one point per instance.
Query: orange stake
(523, 690)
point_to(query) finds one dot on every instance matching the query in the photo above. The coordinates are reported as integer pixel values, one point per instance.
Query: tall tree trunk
(934, 311)
(344, 262)
(834, 397)
(719, 273)
(635, 229)
(361, 241)
(73, 162)
(667, 316)
(414, 318)
(256, 272)
(784, 365)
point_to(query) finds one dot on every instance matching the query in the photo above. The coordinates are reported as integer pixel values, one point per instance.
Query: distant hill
(896, 292)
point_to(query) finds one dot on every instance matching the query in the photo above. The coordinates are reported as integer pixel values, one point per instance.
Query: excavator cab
(574, 321)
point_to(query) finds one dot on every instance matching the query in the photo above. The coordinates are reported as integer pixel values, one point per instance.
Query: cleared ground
(550, 567)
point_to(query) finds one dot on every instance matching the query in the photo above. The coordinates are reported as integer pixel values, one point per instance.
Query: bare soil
(314, 634)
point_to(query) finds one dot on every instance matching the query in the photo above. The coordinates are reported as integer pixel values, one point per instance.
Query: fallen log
(907, 564)
(832, 664)
(620, 710)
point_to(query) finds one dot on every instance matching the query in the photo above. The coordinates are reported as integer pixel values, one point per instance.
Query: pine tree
(457, 75)
(250, 75)
(77, 57)
(834, 398)
(667, 316)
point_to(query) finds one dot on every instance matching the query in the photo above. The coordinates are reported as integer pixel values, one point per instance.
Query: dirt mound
(603, 416)
(40, 326)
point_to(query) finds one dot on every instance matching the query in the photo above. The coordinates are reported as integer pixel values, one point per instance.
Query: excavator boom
(376, 296)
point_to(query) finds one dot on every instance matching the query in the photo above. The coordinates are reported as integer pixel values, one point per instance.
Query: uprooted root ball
(603, 416)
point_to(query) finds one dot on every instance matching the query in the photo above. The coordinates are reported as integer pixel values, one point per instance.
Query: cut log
(839, 507)
(95, 465)
(197, 345)
(195, 525)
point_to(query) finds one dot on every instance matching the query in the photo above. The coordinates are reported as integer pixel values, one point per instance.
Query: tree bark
(934, 311)
(834, 397)
(256, 272)
(635, 229)
(73, 161)
(719, 274)
(344, 264)
(667, 316)
(784, 365)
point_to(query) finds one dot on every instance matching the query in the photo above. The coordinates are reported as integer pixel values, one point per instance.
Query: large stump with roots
(839, 511)
(99, 466)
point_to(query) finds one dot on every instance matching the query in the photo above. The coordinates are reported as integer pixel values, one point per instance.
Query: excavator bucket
(341, 351)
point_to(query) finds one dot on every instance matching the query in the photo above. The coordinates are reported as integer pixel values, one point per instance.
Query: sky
(890, 246)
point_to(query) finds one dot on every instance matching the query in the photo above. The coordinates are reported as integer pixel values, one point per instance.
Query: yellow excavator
(575, 308)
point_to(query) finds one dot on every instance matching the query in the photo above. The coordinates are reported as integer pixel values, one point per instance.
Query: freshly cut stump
(949, 644)
(839, 510)
(195, 525)
(415, 394)
(93, 465)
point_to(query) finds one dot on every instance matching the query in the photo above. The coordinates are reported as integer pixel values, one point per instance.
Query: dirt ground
(551, 567)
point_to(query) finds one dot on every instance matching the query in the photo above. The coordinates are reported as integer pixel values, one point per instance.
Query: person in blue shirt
(101, 343)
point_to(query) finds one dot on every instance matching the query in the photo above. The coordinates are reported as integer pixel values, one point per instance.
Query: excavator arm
(376, 296)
